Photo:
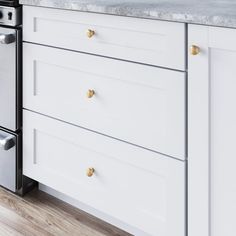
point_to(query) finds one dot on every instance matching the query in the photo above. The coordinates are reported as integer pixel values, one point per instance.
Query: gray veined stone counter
(206, 12)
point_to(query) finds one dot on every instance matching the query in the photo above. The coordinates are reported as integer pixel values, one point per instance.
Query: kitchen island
(129, 110)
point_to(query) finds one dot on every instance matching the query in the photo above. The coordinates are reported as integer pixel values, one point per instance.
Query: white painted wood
(198, 134)
(222, 38)
(211, 134)
(147, 41)
(99, 214)
(136, 186)
(223, 126)
(139, 104)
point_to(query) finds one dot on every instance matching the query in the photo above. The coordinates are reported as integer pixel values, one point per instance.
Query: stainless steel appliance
(9, 2)
(10, 100)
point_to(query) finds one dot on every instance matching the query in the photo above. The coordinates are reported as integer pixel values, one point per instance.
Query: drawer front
(136, 186)
(139, 104)
(147, 41)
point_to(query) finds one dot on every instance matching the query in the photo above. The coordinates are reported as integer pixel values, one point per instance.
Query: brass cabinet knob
(90, 172)
(194, 50)
(90, 33)
(90, 93)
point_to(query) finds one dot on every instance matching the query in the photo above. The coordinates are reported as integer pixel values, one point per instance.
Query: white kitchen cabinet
(139, 104)
(212, 129)
(107, 103)
(136, 186)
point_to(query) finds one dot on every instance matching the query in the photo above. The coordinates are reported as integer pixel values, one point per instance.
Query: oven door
(10, 76)
(9, 155)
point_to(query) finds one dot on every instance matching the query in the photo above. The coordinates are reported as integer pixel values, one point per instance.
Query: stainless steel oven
(9, 2)
(10, 81)
(10, 165)
(11, 176)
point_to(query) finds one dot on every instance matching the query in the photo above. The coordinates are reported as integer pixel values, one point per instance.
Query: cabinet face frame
(198, 133)
(201, 144)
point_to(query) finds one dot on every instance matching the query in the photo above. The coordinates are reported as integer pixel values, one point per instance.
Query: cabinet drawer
(139, 104)
(136, 186)
(147, 41)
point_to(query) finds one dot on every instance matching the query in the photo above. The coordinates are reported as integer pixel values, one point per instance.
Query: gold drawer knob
(90, 33)
(90, 93)
(90, 172)
(194, 50)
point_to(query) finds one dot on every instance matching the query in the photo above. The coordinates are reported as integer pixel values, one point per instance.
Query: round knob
(90, 33)
(90, 172)
(90, 93)
(194, 50)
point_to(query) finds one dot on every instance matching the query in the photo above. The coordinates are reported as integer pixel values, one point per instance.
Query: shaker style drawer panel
(139, 104)
(146, 41)
(139, 187)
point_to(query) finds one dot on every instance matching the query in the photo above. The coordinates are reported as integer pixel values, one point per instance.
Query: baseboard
(91, 211)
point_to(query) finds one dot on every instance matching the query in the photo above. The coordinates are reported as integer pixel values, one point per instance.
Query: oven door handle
(7, 38)
(7, 142)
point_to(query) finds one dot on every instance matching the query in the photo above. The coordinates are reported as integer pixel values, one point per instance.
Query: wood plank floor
(39, 214)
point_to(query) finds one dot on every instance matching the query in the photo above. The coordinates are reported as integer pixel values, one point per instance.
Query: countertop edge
(189, 18)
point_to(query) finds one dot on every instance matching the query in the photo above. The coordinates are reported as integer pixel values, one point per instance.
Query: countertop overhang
(205, 12)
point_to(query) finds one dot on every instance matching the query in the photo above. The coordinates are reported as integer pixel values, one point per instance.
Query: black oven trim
(11, 3)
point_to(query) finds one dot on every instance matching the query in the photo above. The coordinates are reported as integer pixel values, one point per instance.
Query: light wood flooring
(39, 214)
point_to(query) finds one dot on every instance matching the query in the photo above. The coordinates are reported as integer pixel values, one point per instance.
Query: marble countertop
(206, 12)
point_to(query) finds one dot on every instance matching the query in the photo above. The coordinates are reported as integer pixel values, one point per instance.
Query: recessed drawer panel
(141, 188)
(139, 104)
(146, 41)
